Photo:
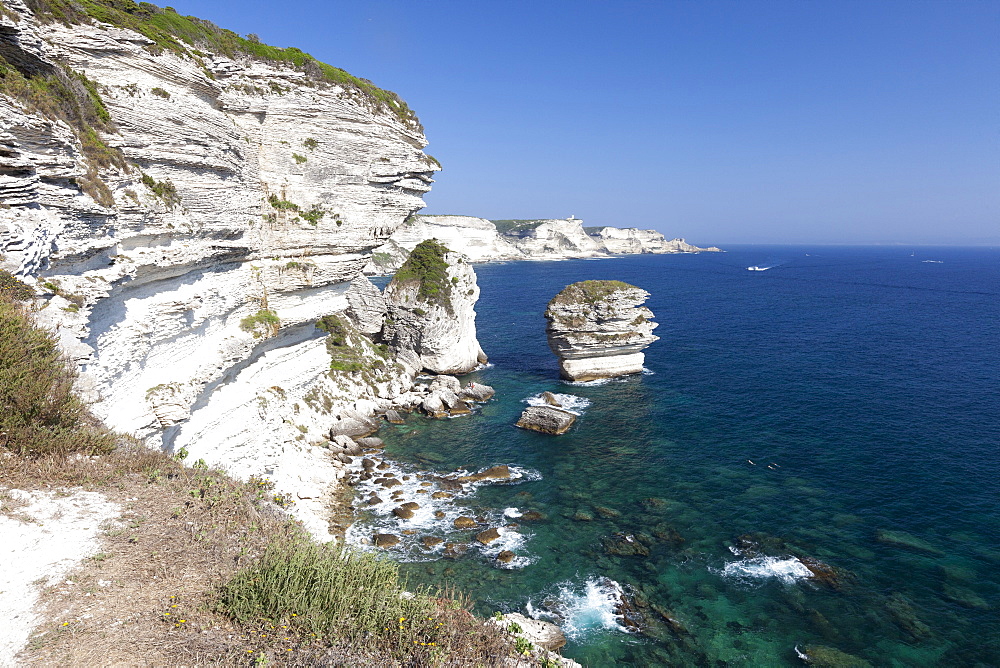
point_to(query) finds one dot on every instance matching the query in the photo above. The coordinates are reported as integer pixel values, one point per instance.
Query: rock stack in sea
(598, 329)
(431, 323)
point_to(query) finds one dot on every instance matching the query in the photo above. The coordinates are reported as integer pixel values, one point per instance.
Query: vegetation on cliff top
(427, 266)
(516, 226)
(184, 35)
(589, 292)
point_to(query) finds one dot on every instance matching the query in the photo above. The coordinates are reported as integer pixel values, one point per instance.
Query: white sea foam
(567, 402)
(589, 383)
(787, 570)
(581, 609)
(512, 512)
(512, 540)
(434, 517)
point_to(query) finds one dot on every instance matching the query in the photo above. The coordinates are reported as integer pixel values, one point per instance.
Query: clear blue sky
(722, 122)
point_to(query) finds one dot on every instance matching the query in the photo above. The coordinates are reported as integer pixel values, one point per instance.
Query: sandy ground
(43, 536)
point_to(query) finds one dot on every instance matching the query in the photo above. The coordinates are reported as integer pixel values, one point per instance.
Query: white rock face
(475, 238)
(598, 329)
(435, 334)
(632, 240)
(285, 186)
(480, 241)
(556, 239)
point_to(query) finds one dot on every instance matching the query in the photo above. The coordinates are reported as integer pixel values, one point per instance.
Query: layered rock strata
(631, 240)
(431, 322)
(482, 240)
(183, 262)
(598, 329)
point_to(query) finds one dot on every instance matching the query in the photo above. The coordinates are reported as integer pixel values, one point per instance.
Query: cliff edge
(187, 203)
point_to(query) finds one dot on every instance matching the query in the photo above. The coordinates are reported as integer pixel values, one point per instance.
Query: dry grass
(153, 595)
(150, 596)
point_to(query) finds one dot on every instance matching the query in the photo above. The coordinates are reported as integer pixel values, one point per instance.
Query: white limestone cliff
(250, 196)
(631, 240)
(481, 240)
(475, 238)
(432, 320)
(598, 329)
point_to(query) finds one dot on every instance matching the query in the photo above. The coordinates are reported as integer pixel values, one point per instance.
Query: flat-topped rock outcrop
(546, 419)
(598, 329)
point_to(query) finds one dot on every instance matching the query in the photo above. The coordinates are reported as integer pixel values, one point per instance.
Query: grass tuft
(39, 414)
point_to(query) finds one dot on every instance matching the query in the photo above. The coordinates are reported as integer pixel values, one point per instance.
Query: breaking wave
(581, 609)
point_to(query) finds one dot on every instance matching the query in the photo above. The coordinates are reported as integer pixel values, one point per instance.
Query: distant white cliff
(482, 240)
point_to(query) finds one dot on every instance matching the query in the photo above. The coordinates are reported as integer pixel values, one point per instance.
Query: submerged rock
(455, 550)
(598, 329)
(906, 541)
(546, 419)
(506, 557)
(501, 472)
(431, 541)
(625, 545)
(828, 657)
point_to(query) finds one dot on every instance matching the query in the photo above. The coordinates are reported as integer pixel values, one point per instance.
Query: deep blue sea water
(862, 382)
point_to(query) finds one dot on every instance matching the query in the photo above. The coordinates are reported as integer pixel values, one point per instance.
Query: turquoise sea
(840, 409)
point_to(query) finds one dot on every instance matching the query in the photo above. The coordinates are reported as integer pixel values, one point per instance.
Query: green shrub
(589, 292)
(62, 94)
(313, 215)
(310, 144)
(263, 323)
(165, 190)
(427, 266)
(159, 92)
(39, 414)
(299, 159)
(281, 204)
(12, 288)
(334, 591)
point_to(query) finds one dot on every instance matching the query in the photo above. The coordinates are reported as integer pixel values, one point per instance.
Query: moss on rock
(428, 267)
(589, 292)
